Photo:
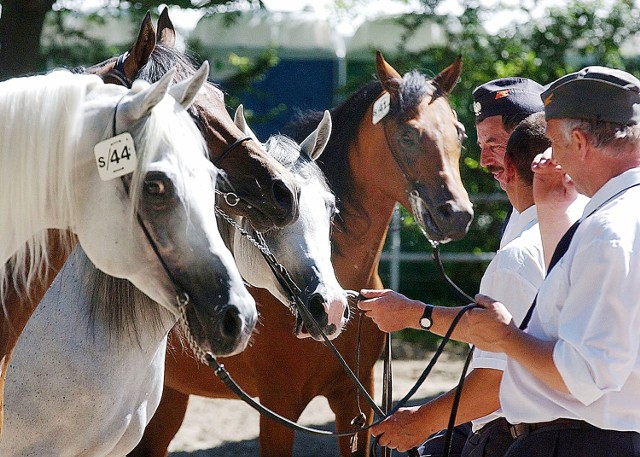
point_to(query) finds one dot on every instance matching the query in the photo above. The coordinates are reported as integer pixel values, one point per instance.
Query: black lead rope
(182, 297)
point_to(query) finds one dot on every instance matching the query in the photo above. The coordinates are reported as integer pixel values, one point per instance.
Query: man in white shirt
(514, 275)
(499, 106)
(571, 386)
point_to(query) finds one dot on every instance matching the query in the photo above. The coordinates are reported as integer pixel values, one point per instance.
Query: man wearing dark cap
(499, 106)
(572, 382)
(514, 275)
(571, 386)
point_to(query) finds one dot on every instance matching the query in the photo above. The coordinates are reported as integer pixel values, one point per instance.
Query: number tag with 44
(116, 156)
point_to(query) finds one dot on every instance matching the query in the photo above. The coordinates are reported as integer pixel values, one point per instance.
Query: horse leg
(277, 440)
(342, 403)
(164, 425)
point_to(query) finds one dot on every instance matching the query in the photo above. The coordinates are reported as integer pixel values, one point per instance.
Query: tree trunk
(20, 29)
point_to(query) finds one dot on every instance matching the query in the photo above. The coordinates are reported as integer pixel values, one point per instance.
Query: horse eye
(155, 186)
(408, 138)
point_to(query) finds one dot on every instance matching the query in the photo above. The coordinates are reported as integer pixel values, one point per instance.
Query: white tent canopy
(385, 34)
(296, 35)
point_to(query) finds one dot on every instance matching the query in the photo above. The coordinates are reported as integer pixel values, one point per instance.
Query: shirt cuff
(575, 373)
(485, 359)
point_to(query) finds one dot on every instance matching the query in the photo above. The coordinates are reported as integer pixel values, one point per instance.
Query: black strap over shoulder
(560, 251)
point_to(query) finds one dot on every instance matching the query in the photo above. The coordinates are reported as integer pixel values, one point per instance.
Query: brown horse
(268, 193)
(411, 156)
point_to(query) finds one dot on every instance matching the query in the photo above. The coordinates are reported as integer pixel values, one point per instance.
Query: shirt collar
(527, 218)
(611, 188)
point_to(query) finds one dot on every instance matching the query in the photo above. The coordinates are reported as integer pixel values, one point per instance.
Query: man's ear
(510, 171)
(580, 143)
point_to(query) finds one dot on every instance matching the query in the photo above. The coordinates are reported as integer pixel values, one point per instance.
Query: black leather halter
(117, 72)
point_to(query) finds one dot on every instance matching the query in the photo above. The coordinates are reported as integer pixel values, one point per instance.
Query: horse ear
(166, 34)
(141, 50)
(186, 90)
(315, 143)
(387, 75)
(143, 101)
(447, 78)
(241, 123)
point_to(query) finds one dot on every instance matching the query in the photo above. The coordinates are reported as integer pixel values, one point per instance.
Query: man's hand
(407, 428)
(553, 189)
(391, 311)
(489, 327)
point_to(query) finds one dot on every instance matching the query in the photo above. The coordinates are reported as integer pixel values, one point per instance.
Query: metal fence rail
(395, 256)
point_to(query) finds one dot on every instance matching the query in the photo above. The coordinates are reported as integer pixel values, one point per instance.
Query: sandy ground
(229, 428)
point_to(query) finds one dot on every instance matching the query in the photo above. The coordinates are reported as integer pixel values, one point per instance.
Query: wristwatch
(425, 319)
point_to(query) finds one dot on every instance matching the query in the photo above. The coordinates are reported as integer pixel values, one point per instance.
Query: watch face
(425, 323)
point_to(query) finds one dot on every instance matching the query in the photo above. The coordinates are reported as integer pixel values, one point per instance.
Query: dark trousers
(492, 440)
(579, 440)
(434, 446)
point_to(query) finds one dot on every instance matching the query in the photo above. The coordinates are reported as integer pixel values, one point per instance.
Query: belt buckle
(518, 430)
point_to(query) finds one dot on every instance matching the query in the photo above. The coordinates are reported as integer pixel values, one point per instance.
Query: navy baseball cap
(594, 93)
(507, 96)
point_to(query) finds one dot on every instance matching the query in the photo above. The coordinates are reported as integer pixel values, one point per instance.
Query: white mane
(40, 119)
(41, 123)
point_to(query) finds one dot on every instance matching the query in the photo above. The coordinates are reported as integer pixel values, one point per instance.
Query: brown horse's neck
(366, 215)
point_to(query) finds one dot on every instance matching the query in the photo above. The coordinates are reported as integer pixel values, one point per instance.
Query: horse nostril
(317, 309)
(231, 324)
(347, 313)
(445, 210)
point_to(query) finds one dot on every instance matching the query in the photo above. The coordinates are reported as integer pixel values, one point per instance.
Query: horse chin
(426, 222)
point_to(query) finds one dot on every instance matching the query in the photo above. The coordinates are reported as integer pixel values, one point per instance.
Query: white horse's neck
(100, 391)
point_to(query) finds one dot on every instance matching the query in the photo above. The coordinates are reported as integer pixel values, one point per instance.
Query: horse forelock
(415, 88)
(286, 151)
(167, 128)
(40, 125)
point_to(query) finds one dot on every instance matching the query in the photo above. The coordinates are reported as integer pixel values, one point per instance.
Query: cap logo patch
(502, 93)
(547, 100)
(477, 108)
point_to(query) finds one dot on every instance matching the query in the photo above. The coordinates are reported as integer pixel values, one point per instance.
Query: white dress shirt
(590, 306)
(513, 278)
(512, 230)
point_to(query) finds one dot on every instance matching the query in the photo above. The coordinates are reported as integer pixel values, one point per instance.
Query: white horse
(67, 163)
(308, 238)
(87, 374)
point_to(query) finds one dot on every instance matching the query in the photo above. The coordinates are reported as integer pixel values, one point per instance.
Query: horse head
(424, 136)
(267, 193)
(302, 247)
(155, 226)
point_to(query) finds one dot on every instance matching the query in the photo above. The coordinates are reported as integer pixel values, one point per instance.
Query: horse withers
(409, 155)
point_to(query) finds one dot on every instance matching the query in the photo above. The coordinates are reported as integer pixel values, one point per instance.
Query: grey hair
(603, 134)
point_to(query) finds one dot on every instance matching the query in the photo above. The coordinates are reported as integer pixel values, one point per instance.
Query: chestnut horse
(267, 192)
(410, 156)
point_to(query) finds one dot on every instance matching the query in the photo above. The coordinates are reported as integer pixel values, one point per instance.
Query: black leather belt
(518, 430)
(500, 422)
